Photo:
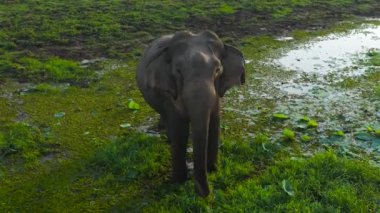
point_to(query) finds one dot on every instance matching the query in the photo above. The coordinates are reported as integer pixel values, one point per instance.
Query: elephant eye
(218, 71)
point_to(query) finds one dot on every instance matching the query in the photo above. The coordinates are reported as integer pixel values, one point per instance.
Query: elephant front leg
(200, 157)
(178, 133)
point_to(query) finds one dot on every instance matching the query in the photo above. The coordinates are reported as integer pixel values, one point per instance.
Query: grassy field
(70, 139)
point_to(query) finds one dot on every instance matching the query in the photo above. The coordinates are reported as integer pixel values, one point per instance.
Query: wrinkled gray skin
(182, 77)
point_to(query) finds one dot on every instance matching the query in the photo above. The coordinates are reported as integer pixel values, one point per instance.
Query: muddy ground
(254, 23)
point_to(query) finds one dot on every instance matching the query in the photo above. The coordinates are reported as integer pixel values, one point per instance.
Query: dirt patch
(249, 22)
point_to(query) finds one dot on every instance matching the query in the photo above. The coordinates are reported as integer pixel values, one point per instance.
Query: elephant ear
(233, 70)
(158, 68)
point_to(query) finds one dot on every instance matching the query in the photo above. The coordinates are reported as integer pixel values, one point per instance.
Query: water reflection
(332, 53)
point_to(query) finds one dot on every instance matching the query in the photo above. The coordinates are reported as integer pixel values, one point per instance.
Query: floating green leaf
(370, 129)
(332, 139)
(377, 132)
(305, 119)
(125, 125)
(312, 124)
(59, 114)
(306, 138)
(339, 133)
(287, 187)
(288, 134)
(364, 136)
(133, 105)
(301, 127)
(280, 116)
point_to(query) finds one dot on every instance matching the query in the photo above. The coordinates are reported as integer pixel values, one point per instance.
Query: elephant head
(182, 76)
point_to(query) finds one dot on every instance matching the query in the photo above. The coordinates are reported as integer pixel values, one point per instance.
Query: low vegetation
(75, 132)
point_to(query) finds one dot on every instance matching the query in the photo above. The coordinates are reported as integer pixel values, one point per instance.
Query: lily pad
(287, 187)
(288, 134)
(364, 136)
(125, 125)
(306, 138)
(59, 114)
(280, 116)
(339, 133)
(376, 142)
(133, 105)
(305, 119)
(301, 127)
(312, 124)
(377, 132)
(332, 139)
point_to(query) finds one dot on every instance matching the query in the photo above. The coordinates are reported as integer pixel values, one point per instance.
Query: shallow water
(303, 80)
(332, 53)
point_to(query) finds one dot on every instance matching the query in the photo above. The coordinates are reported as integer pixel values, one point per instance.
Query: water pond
(323, 91)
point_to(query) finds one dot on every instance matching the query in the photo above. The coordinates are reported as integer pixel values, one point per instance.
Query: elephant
(182, 76)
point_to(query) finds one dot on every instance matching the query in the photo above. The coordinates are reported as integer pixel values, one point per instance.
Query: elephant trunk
(200, 98)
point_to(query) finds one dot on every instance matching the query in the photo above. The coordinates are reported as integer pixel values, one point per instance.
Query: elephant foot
(161, 124)
(180, 178)
(212, 168)
(202, 190)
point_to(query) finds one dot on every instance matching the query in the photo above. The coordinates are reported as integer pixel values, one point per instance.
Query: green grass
(132, 174)
(53, 30)
(322, 183)
(46, 88)
(20, 141)
(7, 112)
(371, 78)
(52, 69)
(377, 90)
(124, 158)
(374, 57)
(87, 160)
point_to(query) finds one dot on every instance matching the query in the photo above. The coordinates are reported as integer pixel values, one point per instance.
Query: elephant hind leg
(161, 123)
(213, 142)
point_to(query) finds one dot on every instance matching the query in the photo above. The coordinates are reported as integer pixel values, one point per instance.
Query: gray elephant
(182, 76)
